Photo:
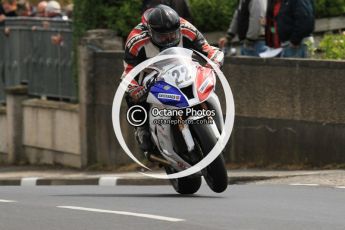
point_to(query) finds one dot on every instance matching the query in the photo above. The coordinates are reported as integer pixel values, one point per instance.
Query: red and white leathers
(140, 48)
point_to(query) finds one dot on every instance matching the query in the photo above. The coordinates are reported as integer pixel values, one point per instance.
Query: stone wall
(100, 74)
(51, 133)
(288, 111)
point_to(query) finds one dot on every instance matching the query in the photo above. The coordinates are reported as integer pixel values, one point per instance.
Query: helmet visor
(168, 39)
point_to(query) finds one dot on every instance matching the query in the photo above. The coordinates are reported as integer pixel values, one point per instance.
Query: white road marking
(343, 187)
(298, 184)
(29, 181)
(155, 217)
(107, 181)
(7, 201)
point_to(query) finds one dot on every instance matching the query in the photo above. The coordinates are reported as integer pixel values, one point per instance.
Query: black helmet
(164, 26)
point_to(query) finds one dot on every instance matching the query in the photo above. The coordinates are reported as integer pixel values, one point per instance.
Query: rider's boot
(143, 137)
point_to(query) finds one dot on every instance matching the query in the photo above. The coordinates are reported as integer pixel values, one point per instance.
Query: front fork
(186, 133)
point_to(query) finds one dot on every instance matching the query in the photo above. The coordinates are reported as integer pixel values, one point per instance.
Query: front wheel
(186, 185)
(215, 174)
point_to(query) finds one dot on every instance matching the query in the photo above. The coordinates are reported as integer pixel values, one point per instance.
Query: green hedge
(329, 8)
(120, 15)
(212, 15)
(208, 15)
(333, 46)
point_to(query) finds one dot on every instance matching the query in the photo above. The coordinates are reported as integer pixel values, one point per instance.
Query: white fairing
(161, 135)
(179, 73)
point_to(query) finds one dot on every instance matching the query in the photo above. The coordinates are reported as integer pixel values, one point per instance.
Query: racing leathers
(140, 48)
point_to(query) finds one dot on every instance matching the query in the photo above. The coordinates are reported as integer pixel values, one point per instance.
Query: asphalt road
(241, 207)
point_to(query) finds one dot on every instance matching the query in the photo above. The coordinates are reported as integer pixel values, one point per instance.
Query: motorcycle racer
(160, 28)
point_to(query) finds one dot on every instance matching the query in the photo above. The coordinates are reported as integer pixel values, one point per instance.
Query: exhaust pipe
(160, 160)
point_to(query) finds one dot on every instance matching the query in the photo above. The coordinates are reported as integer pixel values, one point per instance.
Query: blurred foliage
(120, 15)
(329, 8)
(333, 46)
(212, 15)
(124, 17)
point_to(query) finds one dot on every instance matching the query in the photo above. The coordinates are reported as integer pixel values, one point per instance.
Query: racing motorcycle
(185, 118)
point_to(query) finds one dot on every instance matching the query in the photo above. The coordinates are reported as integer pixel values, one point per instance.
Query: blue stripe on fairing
(159, 88)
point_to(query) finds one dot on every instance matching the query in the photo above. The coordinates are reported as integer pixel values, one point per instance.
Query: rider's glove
(215, 62)
(218, 59)
(137, 92)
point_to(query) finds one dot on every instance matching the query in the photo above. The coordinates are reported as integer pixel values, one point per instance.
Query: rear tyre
(186, 185)
(215, 174)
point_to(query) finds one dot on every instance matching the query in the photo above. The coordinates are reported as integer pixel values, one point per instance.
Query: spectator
(41, 8)
(53, 10)
(8, 8)
(296, 23)
(248, 24)
(69, 11)
(24, 8)
(180, 6)
(272, 37)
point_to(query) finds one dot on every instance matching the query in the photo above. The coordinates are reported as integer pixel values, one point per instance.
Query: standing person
(8, 8)
(272, 37)
(53, 10)
(69, 11)
(180, 6)
(249, 24)
(24, 8)
(161, 28)
(296, 23)
(41, 9)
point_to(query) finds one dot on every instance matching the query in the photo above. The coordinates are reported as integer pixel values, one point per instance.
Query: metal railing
(39, 52)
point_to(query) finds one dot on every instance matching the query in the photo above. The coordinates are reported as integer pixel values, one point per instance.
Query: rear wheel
(215, 174)
(185, 185)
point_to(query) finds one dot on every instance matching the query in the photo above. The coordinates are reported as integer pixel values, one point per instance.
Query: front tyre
(185, 185)
(215, 174)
